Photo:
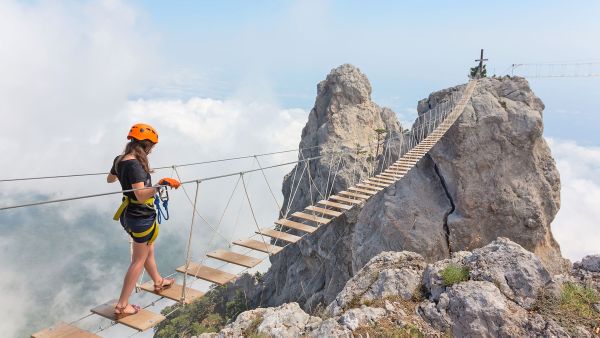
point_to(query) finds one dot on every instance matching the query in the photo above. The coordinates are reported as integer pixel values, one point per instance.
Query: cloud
(68, 71)
(576, 224)
(65, 67)
(83, 254)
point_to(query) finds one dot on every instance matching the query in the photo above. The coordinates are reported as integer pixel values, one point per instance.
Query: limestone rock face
(476, 307)
(343, 118)
(387, 274)
(518, 273)
(591, 263)
(498, 170)
(284, 321)
(381, 300)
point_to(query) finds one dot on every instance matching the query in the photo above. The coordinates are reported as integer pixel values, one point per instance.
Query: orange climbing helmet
(142, 131)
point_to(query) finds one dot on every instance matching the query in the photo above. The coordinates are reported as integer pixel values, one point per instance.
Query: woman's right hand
(171, 182)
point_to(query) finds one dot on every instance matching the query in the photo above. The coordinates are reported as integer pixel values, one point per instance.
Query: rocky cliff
(344, 121)
(499, 290)
(491, 175)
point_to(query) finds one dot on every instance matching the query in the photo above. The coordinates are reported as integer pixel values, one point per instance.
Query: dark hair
(139, 150)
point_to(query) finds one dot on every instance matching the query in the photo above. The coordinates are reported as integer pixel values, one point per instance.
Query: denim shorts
(141, 229)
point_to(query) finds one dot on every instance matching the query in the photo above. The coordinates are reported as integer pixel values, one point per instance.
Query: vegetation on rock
(573, 308)
(387, 329)
(453, 274)
(208, 314)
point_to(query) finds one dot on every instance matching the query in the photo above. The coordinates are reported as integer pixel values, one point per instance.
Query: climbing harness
(149, 202)
(126, 201)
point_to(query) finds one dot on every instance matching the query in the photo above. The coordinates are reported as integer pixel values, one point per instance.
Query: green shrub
(579, 299)
(208, 314)
(453, 274)
(572, 308)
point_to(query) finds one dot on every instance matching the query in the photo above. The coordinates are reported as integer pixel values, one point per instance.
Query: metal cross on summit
(480, 60)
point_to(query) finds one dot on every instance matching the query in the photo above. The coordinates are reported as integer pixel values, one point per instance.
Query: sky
(228, 78)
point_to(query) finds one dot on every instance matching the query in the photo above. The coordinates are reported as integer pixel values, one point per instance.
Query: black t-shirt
(129, 172)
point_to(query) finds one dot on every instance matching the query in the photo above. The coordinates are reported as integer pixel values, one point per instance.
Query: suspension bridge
(409, 148)
(556, 70)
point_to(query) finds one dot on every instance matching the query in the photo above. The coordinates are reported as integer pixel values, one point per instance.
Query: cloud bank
(576, 224)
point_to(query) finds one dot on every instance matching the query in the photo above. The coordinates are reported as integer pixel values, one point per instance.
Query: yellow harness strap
(125, 203)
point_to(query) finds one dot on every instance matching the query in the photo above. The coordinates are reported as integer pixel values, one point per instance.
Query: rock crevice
(453, 207)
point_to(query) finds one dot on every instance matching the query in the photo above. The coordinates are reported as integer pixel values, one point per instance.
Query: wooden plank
(421, 147)
(390, 175)
(141, 321)
(379, 177)
(390, 172)
(381, 180)
(395, 172)
(369, 187)
(234, 258)
(296, 225)
(207, 273)
(386, 178)
(362, 191)
(258, 246)
(413, 159)
(279, 235)
(312, 218)
(344, 199)
(379, 184)
(324, 211)
(335, 205)
(63, 330)
(174, 292)
(353, 194)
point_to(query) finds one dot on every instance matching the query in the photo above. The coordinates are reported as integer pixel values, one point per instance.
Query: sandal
(162, 286)
(121, 311)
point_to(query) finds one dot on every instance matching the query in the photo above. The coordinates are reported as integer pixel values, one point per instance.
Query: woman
(137, 213)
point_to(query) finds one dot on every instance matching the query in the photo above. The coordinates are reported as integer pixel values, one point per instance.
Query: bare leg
(140, 253)
(150, 265)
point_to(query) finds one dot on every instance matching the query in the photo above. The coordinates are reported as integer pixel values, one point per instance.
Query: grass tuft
(454, 273)
(579, 299)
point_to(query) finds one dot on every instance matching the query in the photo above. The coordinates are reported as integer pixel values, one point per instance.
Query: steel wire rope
(215, 229)
(224, 209)
(142, 188)
(293, 195)
(189, 244)
(252, 212)
(15, 179)
(269, 186)
(291, 190)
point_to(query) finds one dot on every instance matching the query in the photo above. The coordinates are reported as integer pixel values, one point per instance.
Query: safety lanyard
(162, 196)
